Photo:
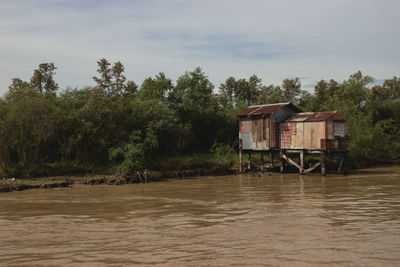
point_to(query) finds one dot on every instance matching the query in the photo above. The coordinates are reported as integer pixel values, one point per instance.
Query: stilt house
(259, 125)
(282, 128)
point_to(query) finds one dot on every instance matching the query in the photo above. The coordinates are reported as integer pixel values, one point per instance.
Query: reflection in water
(261, 219)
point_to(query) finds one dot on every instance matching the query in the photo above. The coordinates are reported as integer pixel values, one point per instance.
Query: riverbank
(184, 170)
(19, 184)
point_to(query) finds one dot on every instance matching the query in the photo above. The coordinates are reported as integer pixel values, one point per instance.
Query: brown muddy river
(243, 220)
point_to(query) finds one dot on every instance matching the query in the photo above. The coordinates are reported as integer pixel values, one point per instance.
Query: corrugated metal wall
(313, 133)
(325, 135)
(302, 135)
(256, 134)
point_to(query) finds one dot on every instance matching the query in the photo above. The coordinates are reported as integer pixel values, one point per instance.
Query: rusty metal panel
(297, 139)
(317, 116)
(245, 125)
(256, 133)
(246, 111)
(321, 133)
(273, 133)
(313, 133)
(299, 117)
(245, 133)
(264, 126)
(261, 145)
(260, 130)
(286, 134)
(339, 143)
(260, 127)
(246, 140)
(266, 131)
(257, 130)
(266, 109)
(331, 129)
(254, 130)
(309, 134)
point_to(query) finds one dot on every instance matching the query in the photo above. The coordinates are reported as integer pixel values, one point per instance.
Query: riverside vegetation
(187, 127)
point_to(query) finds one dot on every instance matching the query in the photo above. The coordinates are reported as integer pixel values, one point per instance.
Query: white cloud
(273, 39)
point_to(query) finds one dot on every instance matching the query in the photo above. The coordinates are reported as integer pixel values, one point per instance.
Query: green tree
(270, 94)
(332, 88)
(356, 88)
(389, 90)
(291, 89)
(320, 91)
(118, 85)
(112, 80)
(105, 80)
(226, 92)
(131, 89)
(42, 79)
(247, 91)
(193, 90)
(29, 125)
(156, 88)
(17, 84)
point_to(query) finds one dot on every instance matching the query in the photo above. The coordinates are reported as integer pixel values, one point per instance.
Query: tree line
(124, 126)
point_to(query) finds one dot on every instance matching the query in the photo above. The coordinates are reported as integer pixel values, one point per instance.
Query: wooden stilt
(312, 168)
(301, 162)
(341, 163)
(281, 154)
(271, 157)
(323, 163)
(262, 161)
(292, 162)
(249, 161)
(240, 156)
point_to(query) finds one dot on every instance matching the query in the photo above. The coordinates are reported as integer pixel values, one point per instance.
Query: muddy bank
(15, 184)
(8, 185)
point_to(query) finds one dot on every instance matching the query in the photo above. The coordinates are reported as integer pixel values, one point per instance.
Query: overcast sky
(275, 40)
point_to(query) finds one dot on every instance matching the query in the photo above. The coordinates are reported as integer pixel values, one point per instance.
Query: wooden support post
(323, 163)
(240, 156)
(249, 161)
(281, 154)
(301, 161)
(262, 161)
(292, 162)
(271, 157)
(312, 167)
(341, 163)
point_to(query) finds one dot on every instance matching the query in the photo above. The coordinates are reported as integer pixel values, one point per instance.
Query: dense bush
(118, 125)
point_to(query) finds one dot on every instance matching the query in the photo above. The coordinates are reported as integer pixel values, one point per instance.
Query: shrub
(223, 153)
(129, 158)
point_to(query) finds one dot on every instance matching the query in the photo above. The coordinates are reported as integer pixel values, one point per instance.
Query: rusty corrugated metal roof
(316, 116)
(246, 111)
(263, 109)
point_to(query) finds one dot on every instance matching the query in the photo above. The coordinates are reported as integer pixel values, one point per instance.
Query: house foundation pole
(271, 157)
(342, 159)
(262, 161)
(249, 161)
(301, 161)
(240, 156)
(323, 163)
(281, 153)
